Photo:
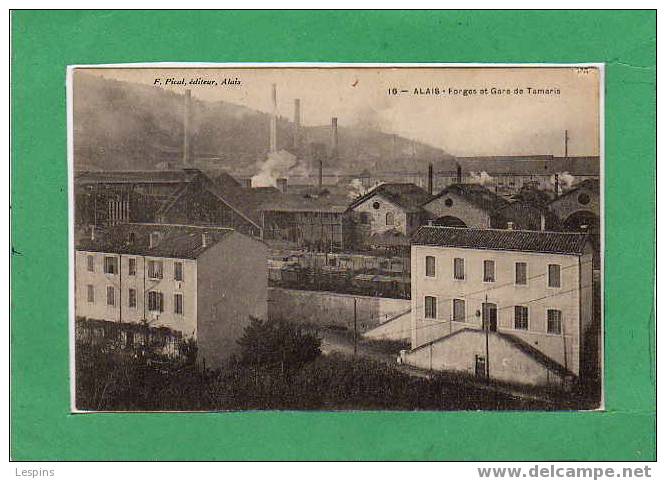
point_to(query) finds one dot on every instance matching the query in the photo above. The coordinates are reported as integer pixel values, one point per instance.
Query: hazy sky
(477, 124)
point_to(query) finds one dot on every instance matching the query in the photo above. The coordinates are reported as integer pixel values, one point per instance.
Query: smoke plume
(481, 178)
(275, 166)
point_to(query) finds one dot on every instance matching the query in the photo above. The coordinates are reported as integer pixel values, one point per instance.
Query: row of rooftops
(252, 202)
(189, 242)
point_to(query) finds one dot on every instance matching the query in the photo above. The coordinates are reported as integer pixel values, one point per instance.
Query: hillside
(120, 125)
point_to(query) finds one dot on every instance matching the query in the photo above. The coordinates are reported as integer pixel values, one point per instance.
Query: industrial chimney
(297, 124)
(458, 174)
(186, 127)
(334, 137)
(430, 179)
(273, 140)
(557, 185)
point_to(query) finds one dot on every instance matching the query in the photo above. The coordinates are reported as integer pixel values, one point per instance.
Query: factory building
(465, 205)
(388, 214)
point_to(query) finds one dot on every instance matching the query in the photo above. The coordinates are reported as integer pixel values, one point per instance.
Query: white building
(516, 306)
(203, 282)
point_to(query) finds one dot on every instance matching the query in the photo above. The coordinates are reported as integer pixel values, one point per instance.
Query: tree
(277, 345)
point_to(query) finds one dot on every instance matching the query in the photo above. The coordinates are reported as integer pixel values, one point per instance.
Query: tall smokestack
(334, 137)
(458, 174)
(186, 127)
(430, 179)
(297, 124)
(273, 147)
(557, 185)
(320, 180)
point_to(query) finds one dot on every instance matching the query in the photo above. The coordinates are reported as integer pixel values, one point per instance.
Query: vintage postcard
(336, 237)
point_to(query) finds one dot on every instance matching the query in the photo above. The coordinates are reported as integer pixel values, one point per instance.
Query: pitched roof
(175, 241)
(477, 194)
(502, 239)
(290, 202)
(407, 196)
(515, 341)
(526, 216)
(225, 188)
(137, 176)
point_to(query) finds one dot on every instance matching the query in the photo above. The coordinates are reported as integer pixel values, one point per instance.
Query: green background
(45, 42)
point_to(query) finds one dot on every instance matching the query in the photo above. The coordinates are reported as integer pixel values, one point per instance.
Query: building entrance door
(489, 316)
(480, 366)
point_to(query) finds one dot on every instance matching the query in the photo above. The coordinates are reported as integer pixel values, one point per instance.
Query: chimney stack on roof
(186, 127)
(281, 184)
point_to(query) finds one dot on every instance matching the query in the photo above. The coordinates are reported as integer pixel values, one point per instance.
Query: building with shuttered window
(512, 305)
(202, 282)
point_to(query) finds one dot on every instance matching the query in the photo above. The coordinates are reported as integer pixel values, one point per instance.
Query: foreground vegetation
(280, 367)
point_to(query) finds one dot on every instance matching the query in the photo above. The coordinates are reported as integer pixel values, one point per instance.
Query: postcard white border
(323, 65)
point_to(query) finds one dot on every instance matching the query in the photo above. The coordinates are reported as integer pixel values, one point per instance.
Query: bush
(277, 345)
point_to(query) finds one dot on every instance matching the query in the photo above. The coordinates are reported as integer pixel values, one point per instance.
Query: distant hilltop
(121, 125)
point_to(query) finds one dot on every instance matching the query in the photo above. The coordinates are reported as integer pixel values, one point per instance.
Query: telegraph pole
(355, 328)
(485, 314)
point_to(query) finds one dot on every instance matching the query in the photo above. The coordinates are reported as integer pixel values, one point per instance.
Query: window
(520, 317)
(375, 205)
(155, 269)
(110, 265)
(178, 271)
(430, 266)
(521, 273)
(365, 217)
(91, 293)
(488, 271)
(132, 266)
(459, 268)
(430, 307)
(448, 202)
(458, 310)
(584, 198)
(553, 275)
(554, 321)
(91, 264)
(131, 298)
(178, 303)
(390, 218)
(110, 296)
(154, 238)
(155, 301)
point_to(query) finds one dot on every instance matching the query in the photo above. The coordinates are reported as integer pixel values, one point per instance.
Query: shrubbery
(280, 367)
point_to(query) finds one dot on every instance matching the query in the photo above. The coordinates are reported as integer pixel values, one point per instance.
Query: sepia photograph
(336, 237)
